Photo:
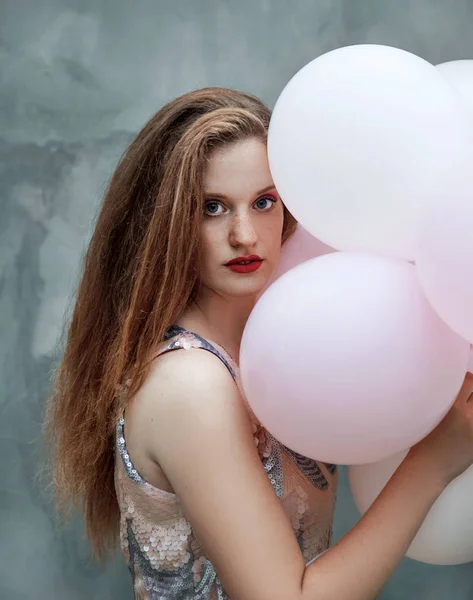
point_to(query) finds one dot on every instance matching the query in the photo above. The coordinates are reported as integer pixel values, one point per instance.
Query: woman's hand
(449, 447)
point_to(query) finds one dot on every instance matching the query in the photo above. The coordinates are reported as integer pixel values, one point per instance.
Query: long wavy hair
(138, 275)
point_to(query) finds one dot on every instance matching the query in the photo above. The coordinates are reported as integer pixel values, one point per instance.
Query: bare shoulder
(187, 388)
(187, 375)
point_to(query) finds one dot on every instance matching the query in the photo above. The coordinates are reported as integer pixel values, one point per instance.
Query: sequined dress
(164, 556)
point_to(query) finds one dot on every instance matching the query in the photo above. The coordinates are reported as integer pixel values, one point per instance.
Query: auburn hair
(139, 273)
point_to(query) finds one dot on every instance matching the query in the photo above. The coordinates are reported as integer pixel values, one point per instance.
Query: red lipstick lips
(245, 264)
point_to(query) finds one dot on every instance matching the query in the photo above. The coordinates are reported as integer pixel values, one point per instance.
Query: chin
(244, 289)
(252, 290)
(240, 286)
(241, 294)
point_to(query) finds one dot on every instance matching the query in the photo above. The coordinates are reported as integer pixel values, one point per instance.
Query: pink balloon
(360, 140)
(301, 246)
(344, 360)
(445, 259)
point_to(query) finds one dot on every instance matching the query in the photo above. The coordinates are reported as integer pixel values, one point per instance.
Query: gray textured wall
(77, 80)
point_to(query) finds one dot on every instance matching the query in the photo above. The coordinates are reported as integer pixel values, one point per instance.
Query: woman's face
(243, 217)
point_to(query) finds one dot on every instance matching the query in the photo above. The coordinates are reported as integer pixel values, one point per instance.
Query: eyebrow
(223, 197)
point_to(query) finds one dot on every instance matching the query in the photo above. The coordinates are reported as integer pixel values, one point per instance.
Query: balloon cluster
(359, 346)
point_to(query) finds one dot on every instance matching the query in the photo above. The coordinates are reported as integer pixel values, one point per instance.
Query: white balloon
(446, 535)
(360, 139)
(444, 258)
(460, 74)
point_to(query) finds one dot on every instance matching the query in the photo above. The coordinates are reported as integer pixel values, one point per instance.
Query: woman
(154, 436)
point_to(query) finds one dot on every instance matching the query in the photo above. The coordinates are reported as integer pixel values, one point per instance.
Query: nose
(242, 231)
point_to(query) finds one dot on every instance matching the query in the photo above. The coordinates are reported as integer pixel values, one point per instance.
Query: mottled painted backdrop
(77, 80)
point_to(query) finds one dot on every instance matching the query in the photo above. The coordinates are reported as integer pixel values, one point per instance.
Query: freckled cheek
(213, 247)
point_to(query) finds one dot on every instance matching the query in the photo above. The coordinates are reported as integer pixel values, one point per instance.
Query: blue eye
(211, 208)
(265, 203)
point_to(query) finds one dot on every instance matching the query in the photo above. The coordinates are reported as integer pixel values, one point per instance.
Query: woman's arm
(198, 431)
(362, 562)
(374, 547)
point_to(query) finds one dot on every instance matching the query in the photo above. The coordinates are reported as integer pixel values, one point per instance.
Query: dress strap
(178, 338)
(181, 338)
